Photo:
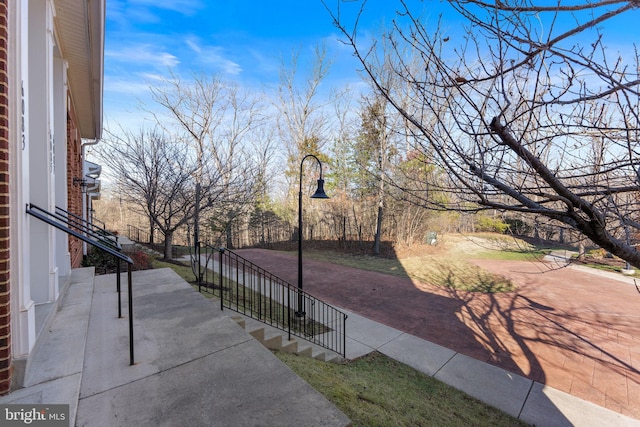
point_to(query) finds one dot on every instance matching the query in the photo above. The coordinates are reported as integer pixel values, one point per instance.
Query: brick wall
(5, 307)
(74, 170)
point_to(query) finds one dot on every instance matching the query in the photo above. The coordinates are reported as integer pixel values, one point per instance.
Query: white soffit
(80, 27)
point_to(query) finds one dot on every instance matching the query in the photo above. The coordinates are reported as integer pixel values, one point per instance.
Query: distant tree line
(513, 127)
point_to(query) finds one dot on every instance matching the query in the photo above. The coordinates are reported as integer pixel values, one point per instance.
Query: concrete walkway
(194, 366)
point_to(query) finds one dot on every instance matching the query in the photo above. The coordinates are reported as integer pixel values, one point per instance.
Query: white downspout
(85, 203)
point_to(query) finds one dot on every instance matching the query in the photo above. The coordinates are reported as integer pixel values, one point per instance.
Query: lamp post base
(300, 313)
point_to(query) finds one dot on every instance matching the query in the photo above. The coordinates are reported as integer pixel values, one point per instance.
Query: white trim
(42, 189)
(23, 326)
(60, 107)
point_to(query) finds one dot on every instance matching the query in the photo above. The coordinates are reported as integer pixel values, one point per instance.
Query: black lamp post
(319, 194)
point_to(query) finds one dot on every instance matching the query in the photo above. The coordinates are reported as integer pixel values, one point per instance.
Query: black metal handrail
(91, 225)
(99, 224)
(249, 289)
(83, 226)
(138, 235)
(82, 232)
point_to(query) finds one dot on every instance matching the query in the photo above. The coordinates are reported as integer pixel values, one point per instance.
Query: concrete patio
(193, 365)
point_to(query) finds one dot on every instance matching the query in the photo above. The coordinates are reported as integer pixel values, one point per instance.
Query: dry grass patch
(445, 265)
(455, 273)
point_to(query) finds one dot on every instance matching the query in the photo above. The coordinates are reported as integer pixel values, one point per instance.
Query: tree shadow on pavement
(502, 329)
(564, 328)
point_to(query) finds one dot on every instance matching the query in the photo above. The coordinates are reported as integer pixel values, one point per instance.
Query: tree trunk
(382, 153)
(344, 230)
(168, 237)
(229, 235)
(151, 231)
(376, 242)
(581, 250)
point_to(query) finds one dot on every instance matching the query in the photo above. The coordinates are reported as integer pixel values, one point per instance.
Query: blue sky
(244, 41)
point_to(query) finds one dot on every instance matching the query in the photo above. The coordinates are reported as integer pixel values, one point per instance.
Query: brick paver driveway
(572, 330)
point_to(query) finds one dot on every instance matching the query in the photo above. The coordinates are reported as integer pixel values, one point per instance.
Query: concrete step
(312, 352)
(320, 353)
(273, 341)
(276, 339)
(53, 372)
(256, 331)
(289, 346)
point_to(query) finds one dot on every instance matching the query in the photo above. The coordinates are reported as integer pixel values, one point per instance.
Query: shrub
(597, 253)
(486, 223)
(103, 262)
(518, 226)
(141, 260)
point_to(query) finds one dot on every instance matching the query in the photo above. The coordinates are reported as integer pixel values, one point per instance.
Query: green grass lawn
(378, 391)
(514, 255)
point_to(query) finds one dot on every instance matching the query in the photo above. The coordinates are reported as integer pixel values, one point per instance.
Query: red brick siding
(74, 170)
(5, 307)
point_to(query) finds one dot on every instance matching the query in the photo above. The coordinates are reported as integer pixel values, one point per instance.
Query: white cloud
(126, 86)
(124, 14)
(152, 77)
(267, 64)
(120, 121)
(194, 46)
(185, 7)
(143, 54)
(214, 55)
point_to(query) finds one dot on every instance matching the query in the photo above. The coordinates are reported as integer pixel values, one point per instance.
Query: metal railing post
(197, 263)
(289, 311)
(118, 288)
(221, 280)
(259, 295)
(344, 335)
(199, 260)
(130, 288)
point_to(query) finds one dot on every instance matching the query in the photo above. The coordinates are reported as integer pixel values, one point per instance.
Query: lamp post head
(320, 194)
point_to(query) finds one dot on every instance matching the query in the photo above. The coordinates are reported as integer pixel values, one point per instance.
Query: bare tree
(371, 153)
(158, 175)
(342, 170)
(302, 123)
(302, 117)
(217, 120)
(524, 112)
(262, 213)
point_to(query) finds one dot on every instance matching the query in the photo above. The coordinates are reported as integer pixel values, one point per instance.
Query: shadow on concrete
(579, 325)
